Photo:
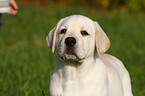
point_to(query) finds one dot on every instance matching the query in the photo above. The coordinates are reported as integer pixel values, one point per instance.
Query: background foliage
(101, 5)
(26, 62)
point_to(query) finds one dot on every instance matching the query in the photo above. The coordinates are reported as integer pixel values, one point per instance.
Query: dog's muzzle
(70, 49)
(70, 52)
(70, 45)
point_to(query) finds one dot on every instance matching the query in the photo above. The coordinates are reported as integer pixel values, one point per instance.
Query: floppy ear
(51, 37)
(102, 41)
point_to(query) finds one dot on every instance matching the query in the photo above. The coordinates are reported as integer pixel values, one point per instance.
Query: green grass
(26, 62)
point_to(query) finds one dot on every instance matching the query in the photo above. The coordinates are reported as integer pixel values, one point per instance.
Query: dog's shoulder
(113, 64)
(111, 60)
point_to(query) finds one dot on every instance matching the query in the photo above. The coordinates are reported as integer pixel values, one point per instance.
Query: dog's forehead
(77, 21)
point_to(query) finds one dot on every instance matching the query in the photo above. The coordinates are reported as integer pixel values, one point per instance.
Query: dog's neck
(72, 69)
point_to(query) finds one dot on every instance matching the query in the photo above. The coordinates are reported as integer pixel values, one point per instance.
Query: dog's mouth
(70, 55)
(70, 51)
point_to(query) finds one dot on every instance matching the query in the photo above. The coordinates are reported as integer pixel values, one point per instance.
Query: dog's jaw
(73, 57)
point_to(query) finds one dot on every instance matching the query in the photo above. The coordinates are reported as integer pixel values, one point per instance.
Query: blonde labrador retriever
(82, 69)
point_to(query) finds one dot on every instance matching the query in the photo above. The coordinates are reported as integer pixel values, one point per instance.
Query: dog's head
(77, 37)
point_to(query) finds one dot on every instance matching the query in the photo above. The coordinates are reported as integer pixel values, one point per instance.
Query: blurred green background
(26, 62)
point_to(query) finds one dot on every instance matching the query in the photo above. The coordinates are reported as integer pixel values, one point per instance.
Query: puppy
(82, 69)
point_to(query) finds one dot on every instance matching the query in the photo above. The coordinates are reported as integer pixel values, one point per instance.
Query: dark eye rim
(63, 31)
(84, 33)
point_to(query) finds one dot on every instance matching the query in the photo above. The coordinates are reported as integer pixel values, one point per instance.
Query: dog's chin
(70, 57)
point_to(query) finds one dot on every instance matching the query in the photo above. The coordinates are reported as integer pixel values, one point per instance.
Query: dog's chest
(78, 87)
(78, 83)
(75, 81)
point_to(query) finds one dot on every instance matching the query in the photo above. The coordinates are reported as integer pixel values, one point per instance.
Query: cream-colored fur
(86, 71)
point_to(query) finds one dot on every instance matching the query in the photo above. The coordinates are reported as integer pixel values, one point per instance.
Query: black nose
(70, 41)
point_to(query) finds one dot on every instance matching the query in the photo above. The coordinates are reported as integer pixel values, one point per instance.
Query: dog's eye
(63, 31)
(84, 33)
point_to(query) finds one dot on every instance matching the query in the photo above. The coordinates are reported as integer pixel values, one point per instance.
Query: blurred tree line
(101, 5)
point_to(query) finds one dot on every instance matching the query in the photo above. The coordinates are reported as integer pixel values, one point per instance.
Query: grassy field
(26, 62)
